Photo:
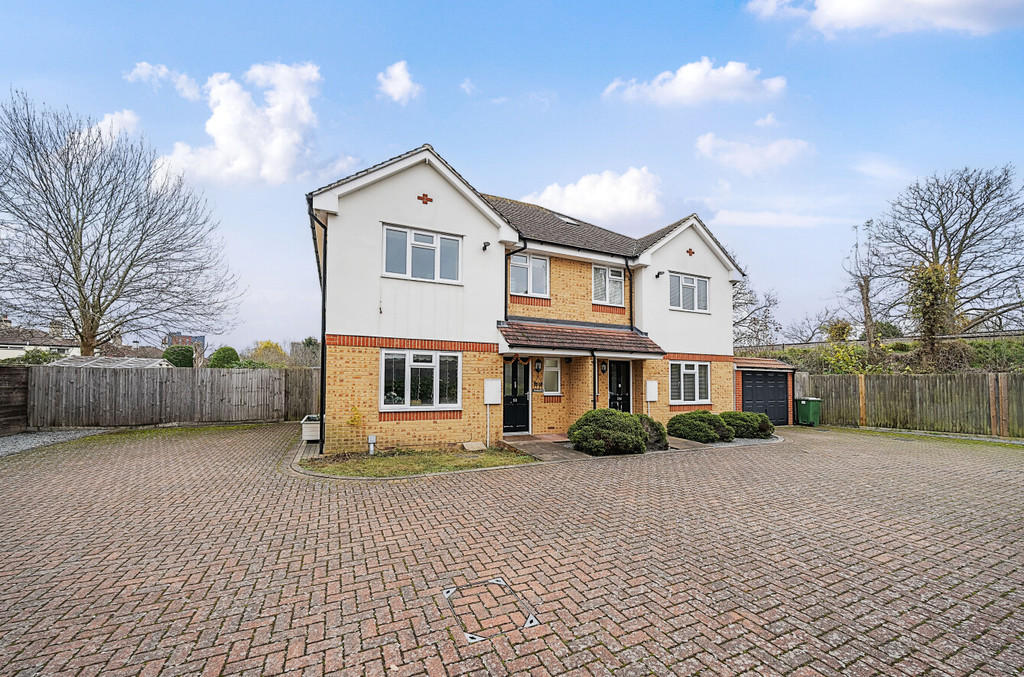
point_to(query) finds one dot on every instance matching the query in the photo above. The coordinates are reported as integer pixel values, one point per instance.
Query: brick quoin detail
(614, 310)
(739, 391)
(409, 344)
(552, 398)
(789, 391)
(418, 415)
(529, 301)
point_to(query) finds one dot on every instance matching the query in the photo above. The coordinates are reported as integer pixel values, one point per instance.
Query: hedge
(604, 432)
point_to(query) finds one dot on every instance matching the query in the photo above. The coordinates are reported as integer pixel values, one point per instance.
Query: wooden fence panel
(77, 397)
(301, 393)
(1015, 403)
(840, 403)
(13, 400)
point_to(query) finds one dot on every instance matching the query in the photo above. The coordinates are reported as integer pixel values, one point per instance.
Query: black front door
(517, 397)
(618, 386)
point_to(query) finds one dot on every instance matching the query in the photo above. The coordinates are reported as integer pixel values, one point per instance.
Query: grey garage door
(767, 392)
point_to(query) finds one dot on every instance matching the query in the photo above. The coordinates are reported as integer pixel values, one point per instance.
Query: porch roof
(577, 337)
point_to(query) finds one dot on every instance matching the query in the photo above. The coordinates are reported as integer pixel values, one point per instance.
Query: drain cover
(488, 608)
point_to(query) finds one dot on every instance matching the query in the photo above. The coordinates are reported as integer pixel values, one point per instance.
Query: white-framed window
(609, 286)
(689, 383)
(552, 376)
(422, 255)
(411, 380)
(688, 292)
(528, 275)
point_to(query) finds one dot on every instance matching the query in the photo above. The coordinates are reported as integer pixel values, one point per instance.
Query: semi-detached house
(432, 288)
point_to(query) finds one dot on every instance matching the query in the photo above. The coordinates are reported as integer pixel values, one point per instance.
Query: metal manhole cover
(489, 608)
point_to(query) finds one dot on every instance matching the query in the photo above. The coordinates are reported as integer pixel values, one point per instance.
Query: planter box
(311, 428)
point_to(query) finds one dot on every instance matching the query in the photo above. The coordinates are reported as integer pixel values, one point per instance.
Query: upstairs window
(687, 292)
(609, 286)
(689, 383)
(421, 255)
(420, 380)
(528, 275)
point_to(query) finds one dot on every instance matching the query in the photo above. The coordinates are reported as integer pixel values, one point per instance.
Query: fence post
(993, 403)
(863, 396)
(1004, 405)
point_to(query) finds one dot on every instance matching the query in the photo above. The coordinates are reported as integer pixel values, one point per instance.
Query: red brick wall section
(418, 415)
(739, 390)
(789, 391)
(614, 310)
(409, 344)
(689, 407)
(530, 300)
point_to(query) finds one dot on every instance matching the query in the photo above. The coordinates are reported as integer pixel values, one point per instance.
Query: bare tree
(95, 233)
(864, 272)
(971, 222)
(753, 315)
(809, 328)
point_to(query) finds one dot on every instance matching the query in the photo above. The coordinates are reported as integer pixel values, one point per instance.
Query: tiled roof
(577, 337)
(23, 336)
(761, 363)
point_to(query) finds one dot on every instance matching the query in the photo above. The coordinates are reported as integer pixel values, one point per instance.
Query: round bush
(605, 432)
(700, 426)
(748, 424)
(223, 358)
(179, 356)
(657, 438)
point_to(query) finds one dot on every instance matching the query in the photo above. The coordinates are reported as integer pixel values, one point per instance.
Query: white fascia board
(563, 252)
(627, 356)
(558, 352)
(328, 200)
(704, 234)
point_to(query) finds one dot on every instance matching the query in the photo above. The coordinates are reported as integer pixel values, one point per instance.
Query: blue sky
(830, 109)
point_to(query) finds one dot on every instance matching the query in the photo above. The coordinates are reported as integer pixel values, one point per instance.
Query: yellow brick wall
(352, 406)
(571, 290)
(722, 389)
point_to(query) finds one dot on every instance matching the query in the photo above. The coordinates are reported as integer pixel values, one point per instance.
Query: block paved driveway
(201, 553)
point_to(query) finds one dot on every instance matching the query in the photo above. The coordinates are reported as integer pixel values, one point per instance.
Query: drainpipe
(593, 357)
(313, 220)
(508, 255)
(625, 260)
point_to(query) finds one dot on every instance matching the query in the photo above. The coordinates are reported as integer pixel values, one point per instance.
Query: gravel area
(745, 442)
(12, 444)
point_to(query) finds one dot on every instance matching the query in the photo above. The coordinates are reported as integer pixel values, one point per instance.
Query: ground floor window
(552, 376)
(689, 382)
(415, 379)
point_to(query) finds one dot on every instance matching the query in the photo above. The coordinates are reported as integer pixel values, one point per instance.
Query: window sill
(687, 404)
(409, 278)
(684, 310)
(393, 409)
(609, 305)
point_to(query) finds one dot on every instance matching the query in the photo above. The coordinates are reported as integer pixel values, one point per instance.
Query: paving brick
(190, 552)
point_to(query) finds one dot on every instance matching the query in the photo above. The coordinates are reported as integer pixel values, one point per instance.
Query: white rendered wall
(360, 301)
(679, 331)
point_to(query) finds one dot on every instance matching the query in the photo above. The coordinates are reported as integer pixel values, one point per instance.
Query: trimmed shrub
(223, 358)
(700, 426)
(657, 438)
(605, 432)
(748, 424)
(179, 356)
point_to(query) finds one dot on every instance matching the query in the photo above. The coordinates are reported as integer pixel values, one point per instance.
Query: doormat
(489, 608)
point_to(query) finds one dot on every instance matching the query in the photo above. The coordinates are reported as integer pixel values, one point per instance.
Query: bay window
(421, 255)
(417, 379)
(609, 286)
(688, 292)
(689, 383)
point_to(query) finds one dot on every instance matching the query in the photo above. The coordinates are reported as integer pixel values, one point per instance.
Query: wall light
(538, 365)
(486, 245)
(659, 274)
(604, 367)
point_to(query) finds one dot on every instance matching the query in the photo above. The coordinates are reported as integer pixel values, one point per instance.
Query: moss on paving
(412, 462)
(140, 434)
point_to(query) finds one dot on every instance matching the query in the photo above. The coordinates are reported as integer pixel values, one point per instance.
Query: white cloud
(977, 17)
(767, 121)
(747, 158)
(468, 87)
(117, 123)
(698, 82)
(499, 100)
(154, 74)
(396, 83)
(882, 169)
(605, 198)
(271, 141)
(773, 219)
